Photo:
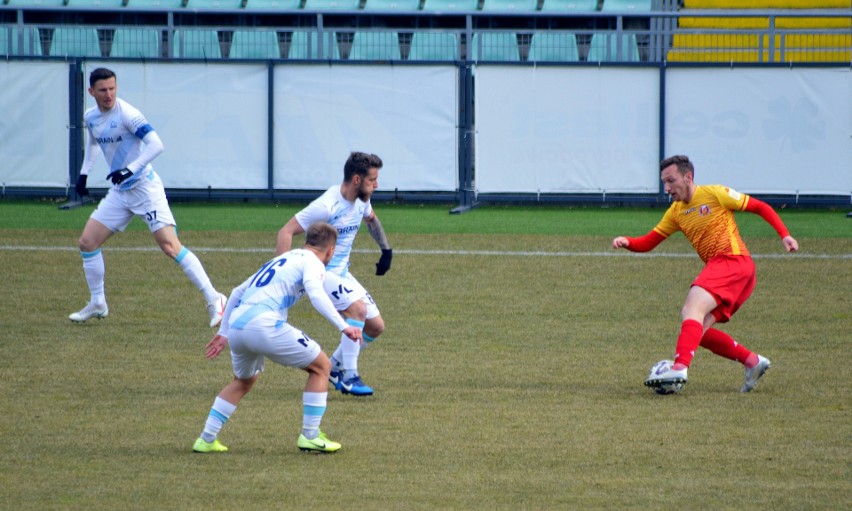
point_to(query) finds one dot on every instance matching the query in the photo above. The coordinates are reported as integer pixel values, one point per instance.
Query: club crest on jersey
(113, 125)
(704, 210)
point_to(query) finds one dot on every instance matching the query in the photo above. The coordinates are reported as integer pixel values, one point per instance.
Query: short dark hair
(321, 235)
(684, 166)
(360, 164)
(100, 73)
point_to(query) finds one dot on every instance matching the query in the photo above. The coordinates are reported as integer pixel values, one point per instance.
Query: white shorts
(147, 200)
(285, 345)
(344, 291)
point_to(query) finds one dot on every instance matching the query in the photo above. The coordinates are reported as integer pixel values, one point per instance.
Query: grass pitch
(509, 377)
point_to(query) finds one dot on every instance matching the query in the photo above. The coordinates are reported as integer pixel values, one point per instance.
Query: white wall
(572, 130)
(581, 129)
(34, 124)
(538, 129)
(764, 130)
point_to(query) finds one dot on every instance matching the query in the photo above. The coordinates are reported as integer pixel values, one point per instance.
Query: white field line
(498, 253)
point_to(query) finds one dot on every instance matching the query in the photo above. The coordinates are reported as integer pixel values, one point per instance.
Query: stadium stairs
(746, 39)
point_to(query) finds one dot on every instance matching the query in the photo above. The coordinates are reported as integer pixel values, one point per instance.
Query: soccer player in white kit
(345, 206)
(255, 325)
(122, 134)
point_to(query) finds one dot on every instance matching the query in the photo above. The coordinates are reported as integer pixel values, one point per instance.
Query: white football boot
(216, 309)
(90, 311)
(754, 374)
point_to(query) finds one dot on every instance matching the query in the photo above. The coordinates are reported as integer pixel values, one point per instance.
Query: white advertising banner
(34, 125)
(212, 120)
(771, 131)
(405, 114)
(567, 130)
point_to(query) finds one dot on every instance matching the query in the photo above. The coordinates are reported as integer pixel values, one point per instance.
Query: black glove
(81, 185)
(384, 263)
(119, 176)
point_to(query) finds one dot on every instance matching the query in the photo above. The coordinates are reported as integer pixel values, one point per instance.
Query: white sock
(190, 265)
(349, 351)
(93, 268)
(313, 407)
(219, 415)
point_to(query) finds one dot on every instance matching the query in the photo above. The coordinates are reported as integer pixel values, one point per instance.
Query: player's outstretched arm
(790, 244)
(620, 242)
(771, 217)
(284, 241)
(644, 243)
(378, 234)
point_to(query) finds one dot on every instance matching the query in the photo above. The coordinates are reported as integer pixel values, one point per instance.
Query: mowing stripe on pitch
(498, 253)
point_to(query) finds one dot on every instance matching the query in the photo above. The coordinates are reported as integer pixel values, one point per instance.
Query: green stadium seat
(255, 44)
(36, 3)
(197, 44)
(272, 5)
(433, 46)
(110, 4)
(331, 5)
(214, 5)
(604, 48)
(509, 5)
(75, 42)
(569, 6)
(392, 5)
(305, 45)
(136, 42)
(626, 6)
(6, 45)
(375, 45)
(155, 4)
(553, 47)
(498, 46)
(450, 5)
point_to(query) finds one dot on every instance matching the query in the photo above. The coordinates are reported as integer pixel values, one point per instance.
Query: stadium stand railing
(613, 31)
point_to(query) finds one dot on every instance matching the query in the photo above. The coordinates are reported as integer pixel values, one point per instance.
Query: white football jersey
(264, 298)
(343, 215)
(119, 132)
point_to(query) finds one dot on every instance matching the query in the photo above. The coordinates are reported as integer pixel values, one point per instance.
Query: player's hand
(215, 346)
(353, 333)
(790, 244)
(119, 176)
(620, 242)
(384, 263)
(80, 187)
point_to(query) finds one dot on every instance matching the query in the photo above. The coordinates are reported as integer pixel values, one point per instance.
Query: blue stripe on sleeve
(144, 130)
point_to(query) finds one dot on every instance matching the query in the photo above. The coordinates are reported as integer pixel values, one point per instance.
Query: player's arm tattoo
(378, 232)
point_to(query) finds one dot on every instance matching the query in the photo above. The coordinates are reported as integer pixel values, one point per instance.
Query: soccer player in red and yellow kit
(705, 215)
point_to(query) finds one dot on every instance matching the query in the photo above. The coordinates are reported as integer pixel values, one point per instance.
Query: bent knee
(321, 366)
(374, 327)
(357, 310)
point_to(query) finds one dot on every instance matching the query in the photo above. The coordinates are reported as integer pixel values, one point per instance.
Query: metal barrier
(665, 34)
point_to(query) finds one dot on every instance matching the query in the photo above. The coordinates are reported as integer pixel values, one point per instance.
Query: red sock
(724, 345)
(688, 341)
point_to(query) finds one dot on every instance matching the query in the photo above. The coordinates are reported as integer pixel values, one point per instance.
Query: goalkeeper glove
(119, 176)
(384, 263)
(81, 185)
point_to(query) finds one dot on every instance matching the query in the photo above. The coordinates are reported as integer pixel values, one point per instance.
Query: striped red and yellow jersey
(707, 221)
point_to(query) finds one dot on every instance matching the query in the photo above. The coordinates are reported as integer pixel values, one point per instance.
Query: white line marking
(499, 253)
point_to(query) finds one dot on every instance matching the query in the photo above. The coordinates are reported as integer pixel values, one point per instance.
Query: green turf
(503, 381)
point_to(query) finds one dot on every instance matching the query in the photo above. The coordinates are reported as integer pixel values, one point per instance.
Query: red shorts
(730, 279)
